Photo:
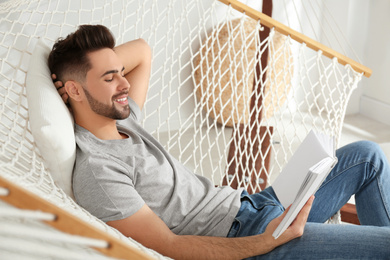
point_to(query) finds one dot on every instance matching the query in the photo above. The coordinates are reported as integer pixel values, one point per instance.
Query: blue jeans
(363, 170)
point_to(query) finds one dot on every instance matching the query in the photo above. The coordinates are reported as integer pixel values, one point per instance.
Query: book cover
(303, 175)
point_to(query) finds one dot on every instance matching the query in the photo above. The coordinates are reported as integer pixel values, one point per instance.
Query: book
(304, 173)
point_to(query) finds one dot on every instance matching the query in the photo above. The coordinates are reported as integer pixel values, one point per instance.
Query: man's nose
(123, 84)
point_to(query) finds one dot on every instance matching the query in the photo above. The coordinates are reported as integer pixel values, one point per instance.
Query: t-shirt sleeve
(103, 186)
(135, 110)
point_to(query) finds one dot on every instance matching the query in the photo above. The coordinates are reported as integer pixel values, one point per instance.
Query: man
(124, 176)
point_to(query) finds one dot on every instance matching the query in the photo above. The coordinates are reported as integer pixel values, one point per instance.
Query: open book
(303, 175)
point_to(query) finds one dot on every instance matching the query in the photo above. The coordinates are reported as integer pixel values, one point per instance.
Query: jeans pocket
(256, 211)
(261, 200)
(235, 228)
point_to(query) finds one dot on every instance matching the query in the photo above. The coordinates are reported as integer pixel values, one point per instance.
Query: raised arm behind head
(68, 59)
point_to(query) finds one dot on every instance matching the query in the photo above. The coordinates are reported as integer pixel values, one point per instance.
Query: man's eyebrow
(111, 71)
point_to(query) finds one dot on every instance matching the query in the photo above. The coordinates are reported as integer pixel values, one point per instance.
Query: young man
(124, 176)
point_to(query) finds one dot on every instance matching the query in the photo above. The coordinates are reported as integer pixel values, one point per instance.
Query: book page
(309, 153)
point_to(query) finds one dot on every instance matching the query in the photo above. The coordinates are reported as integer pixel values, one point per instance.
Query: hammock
(232, 94)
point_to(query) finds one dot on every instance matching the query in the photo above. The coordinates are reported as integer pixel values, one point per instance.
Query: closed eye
(113, 72)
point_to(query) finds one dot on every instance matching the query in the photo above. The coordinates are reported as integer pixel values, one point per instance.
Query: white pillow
(50, 120)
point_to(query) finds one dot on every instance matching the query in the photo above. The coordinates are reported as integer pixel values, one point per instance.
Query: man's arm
(148, 229)
(136, 57)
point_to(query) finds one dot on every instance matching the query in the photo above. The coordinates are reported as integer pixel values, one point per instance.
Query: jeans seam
(356, 164)
(386, 206)
(254, 204)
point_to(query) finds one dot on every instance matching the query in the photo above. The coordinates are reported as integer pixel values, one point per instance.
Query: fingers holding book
(296, 228)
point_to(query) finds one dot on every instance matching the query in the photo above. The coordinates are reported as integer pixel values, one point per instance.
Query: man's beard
(107, 110)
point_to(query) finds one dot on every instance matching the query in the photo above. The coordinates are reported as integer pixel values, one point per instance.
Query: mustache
(120, 94)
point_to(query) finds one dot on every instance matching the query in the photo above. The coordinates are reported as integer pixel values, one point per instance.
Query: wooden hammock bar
(267, 21)
(66, 222)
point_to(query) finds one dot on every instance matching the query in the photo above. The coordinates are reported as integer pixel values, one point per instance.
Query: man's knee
(364, 153)
(373, 150)
(366, 149)
(371, 153)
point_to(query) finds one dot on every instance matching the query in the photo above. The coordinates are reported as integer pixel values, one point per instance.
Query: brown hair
(68, 58)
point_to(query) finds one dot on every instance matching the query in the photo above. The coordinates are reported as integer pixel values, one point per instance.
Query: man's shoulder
(135, 110)
(83, 136)
(96, 160)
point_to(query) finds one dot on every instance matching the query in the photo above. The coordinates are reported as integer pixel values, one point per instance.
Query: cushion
(50, 120)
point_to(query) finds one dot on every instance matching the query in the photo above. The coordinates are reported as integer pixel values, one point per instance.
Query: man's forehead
(103, 60)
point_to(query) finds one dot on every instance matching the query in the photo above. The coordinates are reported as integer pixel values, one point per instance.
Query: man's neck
(102, 127)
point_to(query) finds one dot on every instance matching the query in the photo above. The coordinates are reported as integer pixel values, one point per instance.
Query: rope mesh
(204, 96)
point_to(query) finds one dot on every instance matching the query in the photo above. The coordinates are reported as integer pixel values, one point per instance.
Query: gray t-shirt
(113, 179)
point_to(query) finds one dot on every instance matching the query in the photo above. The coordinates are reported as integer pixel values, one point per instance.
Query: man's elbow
(145, 49)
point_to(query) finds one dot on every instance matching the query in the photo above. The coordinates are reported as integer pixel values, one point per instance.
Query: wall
(375, 99)
(367, 27)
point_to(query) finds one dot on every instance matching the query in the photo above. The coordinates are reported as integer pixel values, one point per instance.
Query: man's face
(106, 88)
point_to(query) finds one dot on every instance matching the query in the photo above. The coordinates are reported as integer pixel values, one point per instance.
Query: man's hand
(136, 58)
(60, 88)
(148, 229)
(293, 231)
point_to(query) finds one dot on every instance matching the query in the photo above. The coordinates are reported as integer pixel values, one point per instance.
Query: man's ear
(74, 90)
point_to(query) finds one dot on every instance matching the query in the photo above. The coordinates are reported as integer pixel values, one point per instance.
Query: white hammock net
(206, 103)
(24, 236)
